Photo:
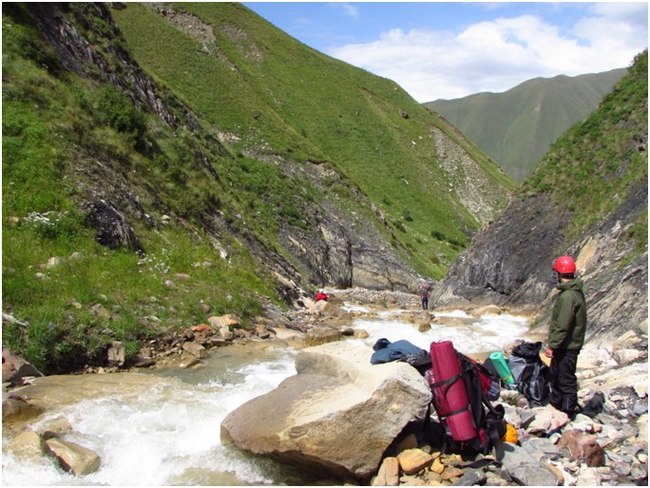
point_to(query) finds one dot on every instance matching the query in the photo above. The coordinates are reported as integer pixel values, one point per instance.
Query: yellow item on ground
(511, 434)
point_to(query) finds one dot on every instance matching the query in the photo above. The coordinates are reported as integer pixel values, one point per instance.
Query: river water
(168, 432)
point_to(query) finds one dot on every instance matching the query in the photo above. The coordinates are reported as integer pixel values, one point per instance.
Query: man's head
(565, 268)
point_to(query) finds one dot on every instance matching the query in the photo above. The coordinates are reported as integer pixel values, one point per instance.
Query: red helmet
(565, 265)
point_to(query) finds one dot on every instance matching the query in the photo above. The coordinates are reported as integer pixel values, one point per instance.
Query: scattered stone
(195, 349)
(262, 331)
(322, 335)
(226, 333)
(141, 361)
(27, 445)
(437, 466)
(113, 231)
(547, 419)
(422, 326)
(19, 409)
(641, 389)
(639, 409)
(559, 474)
(170, 284)
(589, 476)
(56, 427)
(203, 329)
(15, 369)
(413, 460)
(361, 334)
(228, 320)
(188, 361)
(388, 474)
(471, 478)
(72, 457)
(540, 447)
(487, 310)
(451, 472)
(625, 356)
(523, 467)
(116, 354)
(583, 447)
(98, 310)
(627, 340)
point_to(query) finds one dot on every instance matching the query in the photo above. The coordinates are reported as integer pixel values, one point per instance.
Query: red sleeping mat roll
(448, 389)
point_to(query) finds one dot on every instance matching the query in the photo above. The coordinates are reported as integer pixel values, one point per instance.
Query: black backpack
(530, 374)
(488, 418)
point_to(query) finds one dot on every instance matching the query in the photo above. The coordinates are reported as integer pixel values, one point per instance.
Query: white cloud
(348, 8)
(497, 55)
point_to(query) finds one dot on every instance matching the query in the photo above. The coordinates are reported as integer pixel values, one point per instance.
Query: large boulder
(337, 415)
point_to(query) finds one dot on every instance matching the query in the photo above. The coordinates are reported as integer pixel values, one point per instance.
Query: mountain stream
(166, 431)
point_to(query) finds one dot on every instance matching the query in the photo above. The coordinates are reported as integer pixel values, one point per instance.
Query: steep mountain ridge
(517, 127)
(587, 198)
(240, 177)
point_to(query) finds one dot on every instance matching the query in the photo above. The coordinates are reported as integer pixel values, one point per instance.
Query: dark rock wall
(510, 263)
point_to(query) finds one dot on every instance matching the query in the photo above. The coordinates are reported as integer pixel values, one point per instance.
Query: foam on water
(168, 429)
(488, 334)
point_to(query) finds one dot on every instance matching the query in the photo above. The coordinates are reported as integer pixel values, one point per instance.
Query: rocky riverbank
(606, 448)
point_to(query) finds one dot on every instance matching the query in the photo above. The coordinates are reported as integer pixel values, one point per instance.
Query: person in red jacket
(321, 295)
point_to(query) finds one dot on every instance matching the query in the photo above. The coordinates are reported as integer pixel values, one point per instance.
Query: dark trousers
(425, 303)
(564, 384)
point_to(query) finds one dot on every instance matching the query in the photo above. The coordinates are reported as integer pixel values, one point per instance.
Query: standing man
(566, 335)
(425, 291)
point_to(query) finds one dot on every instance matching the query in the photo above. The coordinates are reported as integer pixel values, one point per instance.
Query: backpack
(461, 393)
(530, 374)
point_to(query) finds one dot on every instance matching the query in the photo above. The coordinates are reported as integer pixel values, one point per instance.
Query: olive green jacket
(569, 318)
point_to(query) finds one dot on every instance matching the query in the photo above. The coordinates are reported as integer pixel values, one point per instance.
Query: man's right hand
(548, 352)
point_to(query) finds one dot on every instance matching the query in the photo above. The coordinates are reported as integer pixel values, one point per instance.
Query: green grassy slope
(63, 134)
(592, 168)
(517, 127)
(303, 105)
(69, 138)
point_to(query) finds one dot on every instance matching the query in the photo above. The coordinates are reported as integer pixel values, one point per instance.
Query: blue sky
(449, 50)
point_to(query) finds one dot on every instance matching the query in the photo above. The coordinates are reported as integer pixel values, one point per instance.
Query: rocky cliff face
(510, 263)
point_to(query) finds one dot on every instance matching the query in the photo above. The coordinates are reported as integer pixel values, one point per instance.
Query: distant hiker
(566, 335)
(425, 291)
(321, 295)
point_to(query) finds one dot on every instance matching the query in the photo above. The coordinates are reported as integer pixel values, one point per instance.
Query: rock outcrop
(337, 415)
(15, 368)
